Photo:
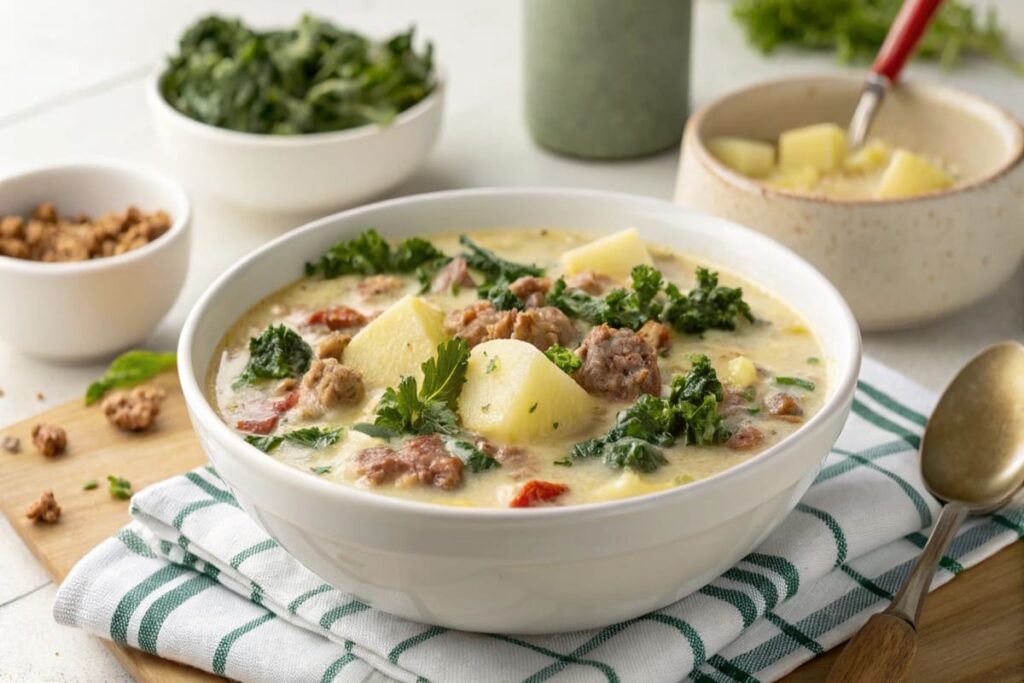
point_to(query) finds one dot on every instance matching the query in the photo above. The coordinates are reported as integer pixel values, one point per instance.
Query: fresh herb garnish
(277, 353)
(567, 361)
(118, 487)
(813, 360)
(855, 29)
(264, 443)
(370, 254)
(90, 485)
(499, 273)
(705, 307)
(533, 408)
(431, 408)
(795, 382)
(129, 369)
(312, 78)
(308, 437)
(474, 458)
(689, 413)
(492, 365)
(321, 469)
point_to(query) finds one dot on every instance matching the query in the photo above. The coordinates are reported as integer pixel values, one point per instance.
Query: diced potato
(871, 157)
(749, 157)
(513, 393)
(910, 174)
(396, 342)
(614, 255)
(803, 178)
(741, 372)
(627, 485)
(821, 146)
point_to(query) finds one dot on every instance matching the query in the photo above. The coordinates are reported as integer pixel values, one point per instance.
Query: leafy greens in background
(129, 369)
(312, 78)
(855, 29)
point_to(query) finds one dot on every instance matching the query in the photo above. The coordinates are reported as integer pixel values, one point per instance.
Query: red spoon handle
(903, 35)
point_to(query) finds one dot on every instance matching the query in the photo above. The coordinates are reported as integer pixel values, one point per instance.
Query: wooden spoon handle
(903, 36)
(881, 651)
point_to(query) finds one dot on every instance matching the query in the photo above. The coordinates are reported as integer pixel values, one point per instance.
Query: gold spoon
(972, 457)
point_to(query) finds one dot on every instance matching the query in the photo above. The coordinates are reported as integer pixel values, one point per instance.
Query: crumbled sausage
(542, 327)
(421, 459)
(618, 364)
(454, 274)
(48, 236)
(328, 383)
(531, 290)
(745, 437)
(337, 318)
(333, 346)
(50, 440)
(378, 285)
(658, 336)
(135, 410)
(589, 281)
(784, 406)
(11, 444)
(45, 509)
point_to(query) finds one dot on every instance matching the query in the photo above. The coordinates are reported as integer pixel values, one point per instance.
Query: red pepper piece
(536, 491)
(257, 426)
(285, 403)
(337, 318)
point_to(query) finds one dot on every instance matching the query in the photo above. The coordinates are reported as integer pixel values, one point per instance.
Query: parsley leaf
(118, 487)
(277, 353)
(129, 369)
(474, 458)
(309, 437)
(370, 254)
(567, 361)
(430, 409)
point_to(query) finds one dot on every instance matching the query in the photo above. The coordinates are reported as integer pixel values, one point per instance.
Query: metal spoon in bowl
(903, 36)
(972, 457)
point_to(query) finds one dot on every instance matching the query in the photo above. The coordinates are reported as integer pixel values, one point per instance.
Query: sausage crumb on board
(40, 396)
(11, 444)
(45, 509)
(618, 364)
(49, 440)
(133, 410)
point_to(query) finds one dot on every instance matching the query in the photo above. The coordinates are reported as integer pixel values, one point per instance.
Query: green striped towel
(192, 578)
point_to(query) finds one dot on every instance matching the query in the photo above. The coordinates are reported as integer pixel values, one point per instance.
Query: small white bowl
(898, 262)
(503, 570)
(293, 173)
(82, 310)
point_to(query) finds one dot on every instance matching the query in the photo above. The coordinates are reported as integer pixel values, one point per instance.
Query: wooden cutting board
(973, 628)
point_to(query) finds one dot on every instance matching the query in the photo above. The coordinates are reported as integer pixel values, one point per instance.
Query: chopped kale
(492, 266)
(474, 458)
(277, 353)
(499, 294)
(370, 254)
(707, 306)
(567, 361)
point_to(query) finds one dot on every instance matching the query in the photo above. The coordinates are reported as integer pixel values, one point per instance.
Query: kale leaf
(567, 361)
(474, 458)
(308, 437)
(707, 306)
(690, 413)
(430, 409)
(277, 353)
(370, 254)
(264, 443)
(128, 369)
(311, 78)
(494, 267)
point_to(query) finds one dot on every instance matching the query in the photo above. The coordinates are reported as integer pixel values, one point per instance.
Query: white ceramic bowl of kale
(524, 570)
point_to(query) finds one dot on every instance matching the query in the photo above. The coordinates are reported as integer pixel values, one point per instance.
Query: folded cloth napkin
(193, 579)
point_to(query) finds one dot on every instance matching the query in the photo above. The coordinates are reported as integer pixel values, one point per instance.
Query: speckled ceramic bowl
(897, 262)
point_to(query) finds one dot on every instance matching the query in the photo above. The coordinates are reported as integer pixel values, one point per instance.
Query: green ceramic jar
(607, 79)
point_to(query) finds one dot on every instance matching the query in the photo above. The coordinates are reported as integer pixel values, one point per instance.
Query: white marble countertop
(72, 77)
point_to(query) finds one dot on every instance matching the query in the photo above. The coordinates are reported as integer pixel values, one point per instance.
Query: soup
(516, 368)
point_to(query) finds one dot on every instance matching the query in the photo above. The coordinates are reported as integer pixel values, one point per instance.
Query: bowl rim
(963, 100)
(205, 418)
(181, 216)
(158, 103)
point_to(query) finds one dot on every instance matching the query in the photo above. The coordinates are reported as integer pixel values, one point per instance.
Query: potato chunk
(749, 157)
(821, 146)
(613, 255)
(910, 174)
(741, 372)
(396, 342)
(513, 393)
(872, 156)
(803, 178)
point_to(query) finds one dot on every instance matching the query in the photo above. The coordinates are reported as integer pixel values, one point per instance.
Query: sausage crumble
(45, 509)
(11, 444)
(618, 364)
(49, 440)
(421, 459)
(133, 410)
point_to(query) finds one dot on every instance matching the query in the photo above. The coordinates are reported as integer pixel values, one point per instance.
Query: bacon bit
(285, 403)
(536, 491)
(258, 426)
(338, 318)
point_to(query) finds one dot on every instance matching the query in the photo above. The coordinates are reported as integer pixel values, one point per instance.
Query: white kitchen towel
(195, 580)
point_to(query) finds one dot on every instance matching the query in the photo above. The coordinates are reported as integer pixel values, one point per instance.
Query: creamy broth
(778, 343)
